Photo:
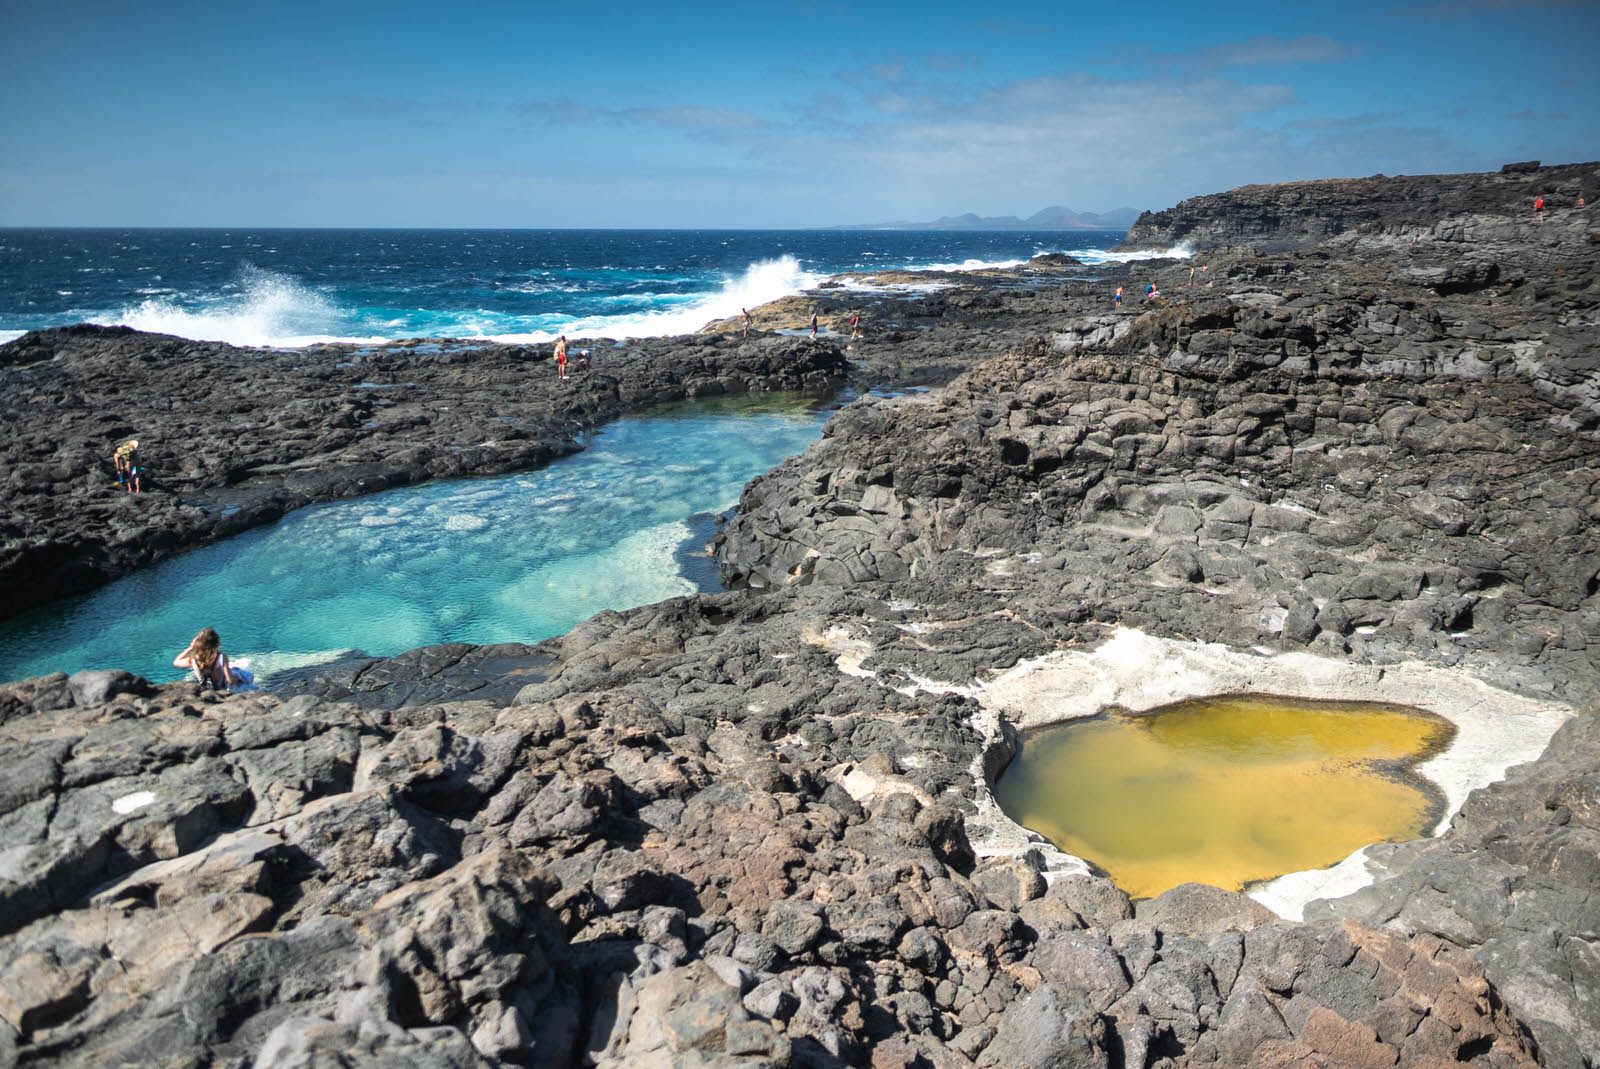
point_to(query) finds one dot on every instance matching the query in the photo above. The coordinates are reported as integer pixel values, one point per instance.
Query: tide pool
(1227, 791)
(511, 558)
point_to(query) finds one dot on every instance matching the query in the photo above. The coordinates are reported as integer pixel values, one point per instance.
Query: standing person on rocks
(561, 357)
(813, 326)
(129, 471)
(1116, 299)
(1538, 210)
(744, 313)
(205, 658)
(855, 326)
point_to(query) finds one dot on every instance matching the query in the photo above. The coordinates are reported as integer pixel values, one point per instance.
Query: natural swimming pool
(508, 558)
(1226, 791)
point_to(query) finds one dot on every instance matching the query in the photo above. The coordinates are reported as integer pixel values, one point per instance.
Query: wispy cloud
(1308, 48)
(1343, 122)
(1003, 28)
(692, 118)
(1254, 52)
(951, 61)
(1445, 9)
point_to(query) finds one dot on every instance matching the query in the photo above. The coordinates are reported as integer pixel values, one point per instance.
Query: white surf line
(1495, 729)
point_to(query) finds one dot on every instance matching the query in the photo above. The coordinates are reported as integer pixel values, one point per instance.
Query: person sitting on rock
(129, 471)
(205, 658)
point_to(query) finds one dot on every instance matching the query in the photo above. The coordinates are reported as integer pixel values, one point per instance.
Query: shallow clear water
(509, 558)
(1227, 792)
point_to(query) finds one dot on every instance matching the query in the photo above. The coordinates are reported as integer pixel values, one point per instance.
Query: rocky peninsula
(1356, 452)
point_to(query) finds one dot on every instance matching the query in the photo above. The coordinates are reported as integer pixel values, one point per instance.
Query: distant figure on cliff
(205, 658)
(813, 326)
(744, 314)
(129, 472)
(855, 326)
(1580, 200)
(561, 357)
(1116, 298)
(1538, 210)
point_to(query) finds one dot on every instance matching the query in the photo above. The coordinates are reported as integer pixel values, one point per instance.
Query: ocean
(299, 287)
(517, 557)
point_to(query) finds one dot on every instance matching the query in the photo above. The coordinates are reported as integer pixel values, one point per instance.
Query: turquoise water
(513, 558)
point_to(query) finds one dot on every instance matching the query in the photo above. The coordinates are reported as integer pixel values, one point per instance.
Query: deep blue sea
(297, 287)
(517, 557)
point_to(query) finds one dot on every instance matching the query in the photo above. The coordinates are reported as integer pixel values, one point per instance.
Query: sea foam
(763, 281)
(1101, 256)
(270, 309)
(971, 264)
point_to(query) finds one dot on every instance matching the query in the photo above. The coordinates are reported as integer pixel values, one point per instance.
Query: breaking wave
(270, 309)
(275, 310)
(763, 281)
(1095, 257)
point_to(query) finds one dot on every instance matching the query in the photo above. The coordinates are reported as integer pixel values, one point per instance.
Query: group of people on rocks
(855, 324)
(560, 355)
(1150, 291)
(1538, 207)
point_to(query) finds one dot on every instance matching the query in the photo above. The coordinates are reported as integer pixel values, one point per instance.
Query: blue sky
(776, 114)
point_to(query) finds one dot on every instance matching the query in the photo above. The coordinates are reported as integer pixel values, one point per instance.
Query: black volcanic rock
(739, 828)
(232, 438)
(1293, 215)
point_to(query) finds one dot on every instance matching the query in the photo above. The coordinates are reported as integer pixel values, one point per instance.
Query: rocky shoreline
(234, 438)
(754, 827)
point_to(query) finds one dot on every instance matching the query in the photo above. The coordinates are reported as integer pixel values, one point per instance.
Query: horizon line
(853, 227)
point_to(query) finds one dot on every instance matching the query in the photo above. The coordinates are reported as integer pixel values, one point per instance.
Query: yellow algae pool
(1226, 791)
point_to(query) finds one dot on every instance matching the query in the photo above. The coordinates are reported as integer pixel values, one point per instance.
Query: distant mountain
(1044, 219)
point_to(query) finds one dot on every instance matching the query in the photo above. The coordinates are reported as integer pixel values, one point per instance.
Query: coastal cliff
(756, 827)
(1291, 215)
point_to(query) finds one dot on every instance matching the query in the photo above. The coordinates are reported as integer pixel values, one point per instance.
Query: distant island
(1045, 219)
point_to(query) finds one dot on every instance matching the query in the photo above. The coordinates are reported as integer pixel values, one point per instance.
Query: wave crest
(271, 310)
(762, 281)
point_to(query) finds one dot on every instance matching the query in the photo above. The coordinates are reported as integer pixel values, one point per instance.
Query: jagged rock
(739, 827)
